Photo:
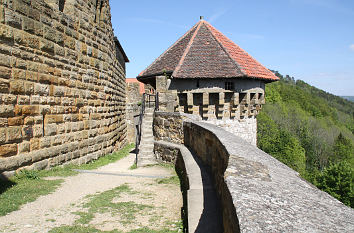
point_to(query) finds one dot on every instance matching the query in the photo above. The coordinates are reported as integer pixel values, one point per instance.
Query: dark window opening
(61, 5)
(229, 86)
(197, 83)
(243, 98)
(253, 95)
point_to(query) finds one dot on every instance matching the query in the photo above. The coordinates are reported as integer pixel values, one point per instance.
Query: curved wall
(62, 89)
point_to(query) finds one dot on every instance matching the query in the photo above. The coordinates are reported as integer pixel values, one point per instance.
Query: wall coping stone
(269, 196)
(198, 189)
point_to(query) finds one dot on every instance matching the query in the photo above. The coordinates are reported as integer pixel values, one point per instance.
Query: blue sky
(312, 40)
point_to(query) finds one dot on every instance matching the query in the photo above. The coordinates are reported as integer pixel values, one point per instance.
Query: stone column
(190, 102)
(161, 88)
(220, 109)
(205, 105)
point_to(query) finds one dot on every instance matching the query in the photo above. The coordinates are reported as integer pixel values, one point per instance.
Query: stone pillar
(205, 105)
(161, 83)
(220, 109)
(190, 102)
(161, 89)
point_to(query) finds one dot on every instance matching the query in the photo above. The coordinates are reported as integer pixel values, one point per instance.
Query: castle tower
(206, 74)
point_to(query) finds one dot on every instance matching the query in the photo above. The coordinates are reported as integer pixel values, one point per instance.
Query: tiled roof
(134, 80)
(204, 52)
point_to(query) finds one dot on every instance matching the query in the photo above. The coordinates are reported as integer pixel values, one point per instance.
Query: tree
(342, 149)
(337, 180)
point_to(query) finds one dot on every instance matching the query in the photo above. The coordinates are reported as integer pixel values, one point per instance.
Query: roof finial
(201, 17)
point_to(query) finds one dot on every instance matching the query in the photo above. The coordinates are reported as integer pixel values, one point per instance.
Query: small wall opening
(253, 98)
(61, 5)
(214, 102)
(182, 99)
(243, 97)
(198, 101)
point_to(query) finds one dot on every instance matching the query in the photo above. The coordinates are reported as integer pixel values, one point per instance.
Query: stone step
(147, 133)
(146, 142)
(147, 146)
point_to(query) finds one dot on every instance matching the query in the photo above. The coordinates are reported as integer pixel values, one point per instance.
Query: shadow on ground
(5, 183)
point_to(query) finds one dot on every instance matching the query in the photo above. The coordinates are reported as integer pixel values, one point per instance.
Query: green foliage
(337, 180)
(306, 128)
(281, 144)
(342, 150)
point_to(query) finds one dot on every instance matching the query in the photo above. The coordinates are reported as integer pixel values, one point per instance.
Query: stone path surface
(162, 202)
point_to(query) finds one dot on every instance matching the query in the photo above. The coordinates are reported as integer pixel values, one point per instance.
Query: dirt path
(112, 197)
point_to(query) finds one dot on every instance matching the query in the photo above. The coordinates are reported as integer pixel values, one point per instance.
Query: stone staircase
(146, 154)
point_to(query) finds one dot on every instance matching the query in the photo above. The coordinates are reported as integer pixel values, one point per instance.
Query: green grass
(132, 167)
(104, 203)
(21, 190)
(27, 186)
(67, 170)
(90, 229)
(169, 180)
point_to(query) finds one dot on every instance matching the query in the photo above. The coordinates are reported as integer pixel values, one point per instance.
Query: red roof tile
(204, 52)
(134, 80)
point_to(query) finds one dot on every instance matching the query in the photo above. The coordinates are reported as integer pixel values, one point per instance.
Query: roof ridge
(242, 50)
(187, 48)
(223, 47)
(157, 59)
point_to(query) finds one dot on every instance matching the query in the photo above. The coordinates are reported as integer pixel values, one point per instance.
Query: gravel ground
(58, 209)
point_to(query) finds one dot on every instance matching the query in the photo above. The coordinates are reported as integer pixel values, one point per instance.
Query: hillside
(350, 98)
(311, 131)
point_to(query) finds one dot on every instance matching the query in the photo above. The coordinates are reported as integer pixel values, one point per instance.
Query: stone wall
(234, 109)
(62, 88)
(245, 129)
(259, 193)
(168, 126)
(165, 153)
(132, 109)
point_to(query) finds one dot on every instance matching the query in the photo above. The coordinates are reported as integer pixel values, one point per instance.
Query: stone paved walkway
(61, 208)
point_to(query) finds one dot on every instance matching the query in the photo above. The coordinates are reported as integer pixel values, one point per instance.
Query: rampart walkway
(152, 205)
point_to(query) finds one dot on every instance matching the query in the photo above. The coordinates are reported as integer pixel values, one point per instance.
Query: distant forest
(311, 131)
(350, 98)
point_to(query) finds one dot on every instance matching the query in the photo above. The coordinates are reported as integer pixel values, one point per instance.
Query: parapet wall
(266, 195)
(62, 88)
(257, 192)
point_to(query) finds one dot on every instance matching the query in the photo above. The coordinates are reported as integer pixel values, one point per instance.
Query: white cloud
(217, 15)
(351, 47)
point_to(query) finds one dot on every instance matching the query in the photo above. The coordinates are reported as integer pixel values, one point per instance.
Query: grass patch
(103, 202)
(67, 170)
(132, 167)
(169, 180)
(27, 186)
(91, 229)
(23, 190)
